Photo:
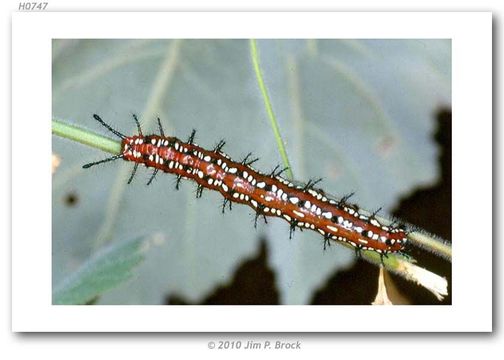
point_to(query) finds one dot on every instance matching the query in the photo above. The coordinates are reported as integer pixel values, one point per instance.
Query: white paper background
(31, 80)
(359, 346)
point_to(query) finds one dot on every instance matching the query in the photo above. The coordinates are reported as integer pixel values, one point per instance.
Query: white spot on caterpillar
(274, 188)
(245, 174)
(300, 214)
(153, 141)
(236, 195)
(207, 158)
(225, 187)
(374, 222)
(176, 146)
(210, 181)
(261, 184)
(332, 228)
(269, 198)
(327, 215)
(287, 217)
(254, 202)
(284, 197)
(294, 200)
(307, 204)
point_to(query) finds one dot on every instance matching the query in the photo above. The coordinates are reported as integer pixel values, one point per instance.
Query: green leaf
(102, 272)
(358, 113)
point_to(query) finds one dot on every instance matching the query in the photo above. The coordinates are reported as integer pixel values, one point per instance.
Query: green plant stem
(85, 137)
(431, 243)
(269, 108)
(423, 239)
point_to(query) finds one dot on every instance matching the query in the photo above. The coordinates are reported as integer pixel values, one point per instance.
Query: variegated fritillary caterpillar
(268, 194)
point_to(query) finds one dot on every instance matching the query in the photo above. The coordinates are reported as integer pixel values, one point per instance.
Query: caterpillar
(302, 206)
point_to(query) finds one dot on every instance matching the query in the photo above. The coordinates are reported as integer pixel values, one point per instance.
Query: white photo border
(471, 35)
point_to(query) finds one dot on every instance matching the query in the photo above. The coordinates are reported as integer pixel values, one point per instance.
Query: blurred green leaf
(102, 272)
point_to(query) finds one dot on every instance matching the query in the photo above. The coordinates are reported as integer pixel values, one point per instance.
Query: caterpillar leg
(133, 173)
(138, 125)
(153, 176)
